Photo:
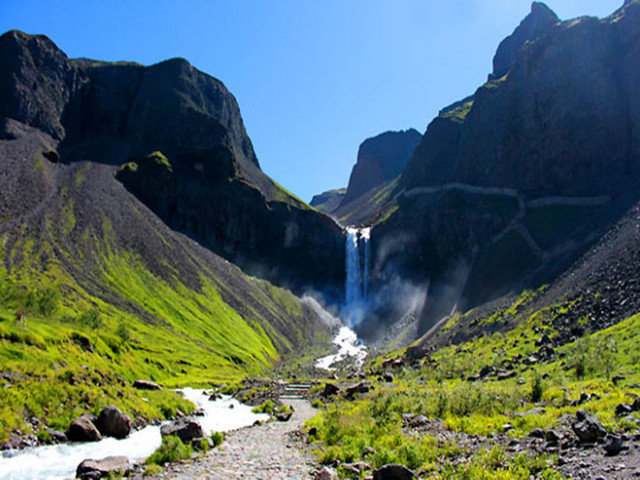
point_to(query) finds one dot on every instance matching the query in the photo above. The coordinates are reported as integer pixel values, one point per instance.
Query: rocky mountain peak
(381, 159)
(538, 22)
(24, 61)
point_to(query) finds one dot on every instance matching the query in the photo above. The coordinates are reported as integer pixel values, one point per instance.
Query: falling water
(357, 269)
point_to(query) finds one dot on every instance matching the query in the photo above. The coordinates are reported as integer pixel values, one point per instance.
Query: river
(57, 462)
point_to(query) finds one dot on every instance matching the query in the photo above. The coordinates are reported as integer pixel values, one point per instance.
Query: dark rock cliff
(380, 159)
(509, 186)
(209, 184)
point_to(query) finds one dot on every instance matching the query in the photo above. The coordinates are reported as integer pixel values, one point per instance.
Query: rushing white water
(357, 274)
(348, 345)
(353, 285)
(57, 462)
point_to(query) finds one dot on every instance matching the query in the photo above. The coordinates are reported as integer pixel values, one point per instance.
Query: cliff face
(559, 116)
(209, 184)
(380, 159)
(510, 185)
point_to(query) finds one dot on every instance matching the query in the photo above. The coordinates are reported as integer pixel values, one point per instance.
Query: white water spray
(357, 273)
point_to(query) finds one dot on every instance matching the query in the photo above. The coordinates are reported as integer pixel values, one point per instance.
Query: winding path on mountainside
(265, 452)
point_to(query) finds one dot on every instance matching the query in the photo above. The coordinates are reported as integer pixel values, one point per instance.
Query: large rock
(146, 385)
(393, 472)
(83, 429)
(110, 467)
(112, 422)
(588, 428)
(186, 429)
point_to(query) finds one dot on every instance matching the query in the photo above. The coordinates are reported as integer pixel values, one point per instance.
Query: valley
(467, 307)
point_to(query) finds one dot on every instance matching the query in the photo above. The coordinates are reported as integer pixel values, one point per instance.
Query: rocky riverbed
(265, 452)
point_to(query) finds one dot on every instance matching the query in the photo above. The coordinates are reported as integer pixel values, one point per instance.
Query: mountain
(511, 185)
(215, 192)
(381, 159)
(328, 201)
(96, 287)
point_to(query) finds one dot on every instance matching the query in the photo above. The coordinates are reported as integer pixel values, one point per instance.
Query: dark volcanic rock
(107, 467)
(113, 423)
(537, 23)
(25, 61)
(393, 472)
(83, 429)
(120, 113)
(185, 428)
(380, 159)
(146, 385)
(327, 202)
(588, 428)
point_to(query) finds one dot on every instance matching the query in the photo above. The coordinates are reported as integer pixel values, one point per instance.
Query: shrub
(537, 389)
(217, 438)
(265, 407)
(171, 450)
(317, 403)
(152, 470)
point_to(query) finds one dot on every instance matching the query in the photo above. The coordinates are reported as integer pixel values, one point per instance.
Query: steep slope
(381, 159)
(95, 289)
(328, 201)
(511, 185)
(217, 194)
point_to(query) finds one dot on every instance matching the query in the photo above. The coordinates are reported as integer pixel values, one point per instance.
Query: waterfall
(357, 270)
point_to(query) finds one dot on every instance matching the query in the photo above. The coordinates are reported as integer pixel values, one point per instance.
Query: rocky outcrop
(146, 385)
(327, 202)
(537, 23)
(380, 159)
(484, 205)
(36, 81)
(215, 192)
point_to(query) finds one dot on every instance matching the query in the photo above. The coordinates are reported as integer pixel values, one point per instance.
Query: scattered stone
(325, 473)
(588, 428)
(486, 371)
(83, 429)
(418, 421)
(613, 444)
(387, 377)
(56, 436)
(107, 467)
(537, 433)
(617, 379)
(284, 416)
(215, 396)
(185, 428)
(623, 409)
(361, 387)
(146, 385)
(393, 472)
(533, 411)
(112, 422)
(473, 378)
(506, 375)
(552, 437)
(330, 389)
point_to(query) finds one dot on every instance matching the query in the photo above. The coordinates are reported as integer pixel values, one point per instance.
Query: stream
(348, 345)
(57, 462)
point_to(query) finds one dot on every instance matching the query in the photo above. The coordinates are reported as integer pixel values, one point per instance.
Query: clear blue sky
(313, 78)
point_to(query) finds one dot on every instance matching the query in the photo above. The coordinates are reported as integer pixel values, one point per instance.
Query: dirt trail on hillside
(265, 452)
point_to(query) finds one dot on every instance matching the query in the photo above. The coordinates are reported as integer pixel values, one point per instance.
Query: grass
(171, 450)
(370, 427)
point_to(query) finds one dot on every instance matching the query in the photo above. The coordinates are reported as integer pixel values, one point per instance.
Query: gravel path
(266, 452)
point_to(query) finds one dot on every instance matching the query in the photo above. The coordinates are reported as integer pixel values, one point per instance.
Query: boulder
(112, 422)
(623, 409)
(284, 416)
(56, 436)
(588, 428)
(185, 428)
(325, 473)
(146, 385)
(330, 389)
(393, 472)
(361, 387)
(613, 444)
(107, 467)
(83, 429)
(418, 421)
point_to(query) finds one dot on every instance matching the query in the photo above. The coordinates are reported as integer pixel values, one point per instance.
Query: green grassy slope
(109, 294)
